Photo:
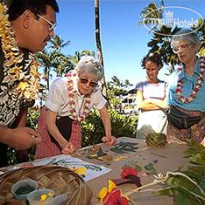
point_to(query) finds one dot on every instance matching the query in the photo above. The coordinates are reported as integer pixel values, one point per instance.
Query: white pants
(151, 121)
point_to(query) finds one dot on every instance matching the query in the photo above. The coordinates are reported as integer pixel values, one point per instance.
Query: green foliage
(11, 156)
(32, 122)
(188, 188)
(32, 118)
(93, 130)
(122, 125)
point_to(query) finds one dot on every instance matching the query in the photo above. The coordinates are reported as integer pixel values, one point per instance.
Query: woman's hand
(109, 140)
(68, 148)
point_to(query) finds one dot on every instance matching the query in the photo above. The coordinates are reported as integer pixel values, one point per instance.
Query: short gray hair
(186, 34)
(88, 64)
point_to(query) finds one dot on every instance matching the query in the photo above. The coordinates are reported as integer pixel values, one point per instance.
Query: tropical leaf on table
(196, 153)
(188, 186)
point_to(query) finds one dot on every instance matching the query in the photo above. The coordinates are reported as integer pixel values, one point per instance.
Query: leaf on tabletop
(150, 169)
(138, 167)
(181, 199)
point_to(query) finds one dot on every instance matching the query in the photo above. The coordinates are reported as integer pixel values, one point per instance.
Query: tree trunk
(99, 47)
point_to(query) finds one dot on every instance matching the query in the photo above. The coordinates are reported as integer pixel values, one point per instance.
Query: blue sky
(124, 43)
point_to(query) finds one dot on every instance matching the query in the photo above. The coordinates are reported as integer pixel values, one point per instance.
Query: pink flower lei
(72, 103)
(196, 88)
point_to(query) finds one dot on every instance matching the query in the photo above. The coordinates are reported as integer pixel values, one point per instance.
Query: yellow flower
(29, 88)
(80, 171)
(111, 185)
(102, 193)
(27, 94)
(22, 85)
(43, 197)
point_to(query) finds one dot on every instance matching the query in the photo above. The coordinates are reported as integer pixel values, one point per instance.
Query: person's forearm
(106, 121)
(107, 126)
(53, 130)
(4, 134)
(147, 106)
(159, 103)
(152, 104)
(22, 118)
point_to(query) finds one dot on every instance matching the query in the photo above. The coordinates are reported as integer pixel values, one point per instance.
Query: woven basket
(60, 179)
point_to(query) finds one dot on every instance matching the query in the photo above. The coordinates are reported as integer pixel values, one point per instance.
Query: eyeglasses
(184, 46)
(92, 84)
(51, 25)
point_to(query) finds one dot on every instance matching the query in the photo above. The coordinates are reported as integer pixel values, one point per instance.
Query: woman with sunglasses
(187, 87)
(69, 101)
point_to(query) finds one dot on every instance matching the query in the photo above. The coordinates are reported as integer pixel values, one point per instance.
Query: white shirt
(58, 101)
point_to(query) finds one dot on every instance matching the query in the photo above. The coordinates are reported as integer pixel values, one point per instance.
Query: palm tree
(127, 83)
(152, 11)
(61, 62)
(46, 60)
(78, 54)
(160, 42)
(58, 43)
(98, 42)
(116, 81)
(201, 31)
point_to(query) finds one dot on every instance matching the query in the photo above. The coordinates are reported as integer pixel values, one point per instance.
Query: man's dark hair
(17, 7)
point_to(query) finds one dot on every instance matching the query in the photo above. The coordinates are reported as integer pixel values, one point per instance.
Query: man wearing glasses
(25, 31)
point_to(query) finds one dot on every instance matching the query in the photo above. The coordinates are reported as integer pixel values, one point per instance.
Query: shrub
(93, 130)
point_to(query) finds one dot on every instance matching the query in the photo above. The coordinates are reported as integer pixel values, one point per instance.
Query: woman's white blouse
(58, 101)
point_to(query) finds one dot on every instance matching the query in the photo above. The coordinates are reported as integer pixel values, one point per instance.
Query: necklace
(196, 88)
(28, 85)
(72, 102)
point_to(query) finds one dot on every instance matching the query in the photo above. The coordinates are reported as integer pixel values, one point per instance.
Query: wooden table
(169, 158)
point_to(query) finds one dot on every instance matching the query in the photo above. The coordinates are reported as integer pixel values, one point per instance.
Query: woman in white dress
(151, 97)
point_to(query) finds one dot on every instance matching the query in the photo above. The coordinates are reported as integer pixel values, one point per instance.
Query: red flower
(114, 198)
(128, 171)
(177, 90)
(196, 88)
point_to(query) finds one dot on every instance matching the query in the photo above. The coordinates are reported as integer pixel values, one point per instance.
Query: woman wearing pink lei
(187, 87)
(69, 101)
